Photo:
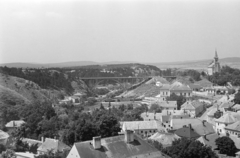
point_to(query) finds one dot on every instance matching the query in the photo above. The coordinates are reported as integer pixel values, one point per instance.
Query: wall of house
(220, 127)
(164, 93)
(146, 132)
(233, 133)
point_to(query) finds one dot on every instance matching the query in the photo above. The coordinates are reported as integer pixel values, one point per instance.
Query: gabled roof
(52, 144)
(209, 140)
(235, 126)
(226, 105)
(191, 105)
(165, 87)
(15, 123)
(3, 135)
(168, 104)
(187, 132)
(135, 125)
(236, 107)
(116, 147)
(150, 116)
(227, 118)
(180, 87)
(165, 139)
(204, 83)
(199, 126)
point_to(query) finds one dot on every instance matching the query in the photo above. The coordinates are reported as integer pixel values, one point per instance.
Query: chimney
(96, 142)
(203, 122)
(42, 139)
(190, 126)
(129, 137)
(205, 137)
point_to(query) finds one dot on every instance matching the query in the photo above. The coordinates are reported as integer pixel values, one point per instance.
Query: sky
(52, 31)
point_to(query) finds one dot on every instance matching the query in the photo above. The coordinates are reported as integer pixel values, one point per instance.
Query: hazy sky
(46, 31)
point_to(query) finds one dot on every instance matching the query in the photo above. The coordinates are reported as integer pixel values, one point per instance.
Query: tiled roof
(166, 118)
(168, 104)
(209, 140)
(116, 147)
(3, 135)
(187, 132)
(53, 144)
(199, 126)
(165, 139)
(235, 126)
(236, 107)
(204, 83)
(135, 125)
(226, 105)
(15, 123)
(150, 116)
(227, 118)
(165, 87)
(32, 141)
(180, 88)
(192, 105)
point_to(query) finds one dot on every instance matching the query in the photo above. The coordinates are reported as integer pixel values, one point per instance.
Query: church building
(214, 66)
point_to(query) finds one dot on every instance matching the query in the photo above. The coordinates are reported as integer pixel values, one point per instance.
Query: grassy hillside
(14, 90)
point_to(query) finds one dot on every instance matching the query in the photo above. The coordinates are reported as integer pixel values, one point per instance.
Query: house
(236, 107)
(3, 137)
(24, 155)
(195, 87)
(195, 107)
(128, 145)
(165, 139)
(14, 124)
(187, 132)
(165, 91)
(142, 128)
(204, 83)
(226, 105)
(209, 140)
(53, 145)
(227, 119)
(233, 129)
(181, 90)
(201, 127)
(214, 66)
(168, 105)
(151, 116)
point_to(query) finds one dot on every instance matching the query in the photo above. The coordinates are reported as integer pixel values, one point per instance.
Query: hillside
(15, 90)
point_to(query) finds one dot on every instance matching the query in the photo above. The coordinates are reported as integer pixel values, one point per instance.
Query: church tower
(214, 66)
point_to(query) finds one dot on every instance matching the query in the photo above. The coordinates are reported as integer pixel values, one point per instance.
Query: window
(150, 131)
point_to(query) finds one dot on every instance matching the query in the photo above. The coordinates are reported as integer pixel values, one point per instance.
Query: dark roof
(116, 147)
(187, 132)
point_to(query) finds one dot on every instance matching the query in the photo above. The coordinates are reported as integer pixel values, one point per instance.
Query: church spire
(216, 55)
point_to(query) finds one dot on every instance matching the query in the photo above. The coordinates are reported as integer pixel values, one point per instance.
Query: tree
(180, 100)
(226, 146)
(155, 108)
(2, 148)
(237, 98)
(8, 154)
(188, 148)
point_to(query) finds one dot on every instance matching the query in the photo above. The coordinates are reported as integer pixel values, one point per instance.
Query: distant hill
(194, 64)
(198, 64)
(62, 64)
